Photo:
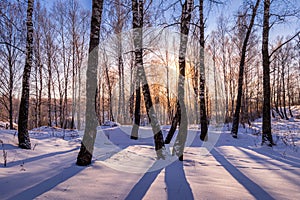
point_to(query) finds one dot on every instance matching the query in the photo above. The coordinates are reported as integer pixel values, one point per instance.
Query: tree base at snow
(25, 146)
(268, 143)
(135, 132)
(134, 138)
(25, 142)
(161, 153)
(84, 157)
(204, 137)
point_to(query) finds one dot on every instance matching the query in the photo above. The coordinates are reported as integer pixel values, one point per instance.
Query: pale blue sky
(230, 8)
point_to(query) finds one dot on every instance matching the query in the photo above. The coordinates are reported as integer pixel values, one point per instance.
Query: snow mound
(46, 132)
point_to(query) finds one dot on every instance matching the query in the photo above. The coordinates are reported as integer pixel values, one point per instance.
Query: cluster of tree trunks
(71, 54)
(141, 81)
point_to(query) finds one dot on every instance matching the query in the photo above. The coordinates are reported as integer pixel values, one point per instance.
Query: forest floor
(221, 168)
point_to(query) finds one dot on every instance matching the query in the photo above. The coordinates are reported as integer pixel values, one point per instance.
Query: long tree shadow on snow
(60, 177)
(270, 160)
(48, 184)
(56, 175)
(254, 189)
(273, 154)
(249, 142)
(295, 162)
(19, 162)
(177, 186)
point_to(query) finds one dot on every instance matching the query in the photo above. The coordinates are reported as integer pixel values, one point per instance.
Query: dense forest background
(60, 51)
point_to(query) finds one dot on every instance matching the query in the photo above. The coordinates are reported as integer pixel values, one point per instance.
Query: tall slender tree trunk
(235, 125)
(61, 114)
(79, 59)
(49, 90)
(257, 92)
(11, 82)
(103, 103)
(278, 96)
(109, 93)
(36, 100)
(121, 108)
(137, 24)
(120, 65)
(289, 92)
(230, 82)
(215, 80)
(74, 70)
(169, 114)
(79, 101)
(98, 100)
(23, 135)
(87, 145)
(225, 77)
(65, 106)
(40, 95)
(203, 113)
(37, 63)
(283, 63)
(131, 98)
(266, 126)
(55, 104)
(274, 92)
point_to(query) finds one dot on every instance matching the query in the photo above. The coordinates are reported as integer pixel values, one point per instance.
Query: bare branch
(281, 45)
(6, 43)
(10, 21)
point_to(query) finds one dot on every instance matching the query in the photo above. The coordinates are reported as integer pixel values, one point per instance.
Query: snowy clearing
(222, 168)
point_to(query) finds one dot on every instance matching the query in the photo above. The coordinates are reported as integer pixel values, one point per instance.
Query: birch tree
(84, 157)
(266, 125)
(203, 114)
(235, 124)
(23, 135)
(181, 113)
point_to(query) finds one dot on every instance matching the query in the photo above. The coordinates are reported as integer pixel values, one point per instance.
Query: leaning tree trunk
(235, 124)
(137, 109)
(137, 21)
(87, 145)
(266, 126)
(23, 135)
(181, 114)
(183, 123)
(131, 98)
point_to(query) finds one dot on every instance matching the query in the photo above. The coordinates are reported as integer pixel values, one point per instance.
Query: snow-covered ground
(222, 168)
